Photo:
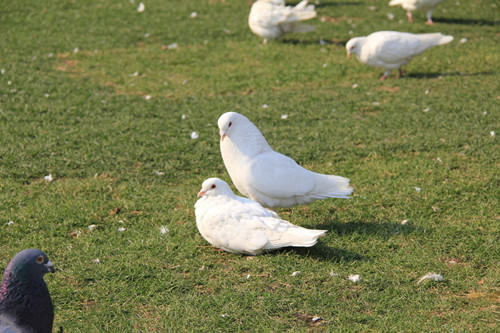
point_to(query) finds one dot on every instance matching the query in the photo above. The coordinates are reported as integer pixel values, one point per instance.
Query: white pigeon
(271, 19)
(239, 225)
(266, 176)
(392, 49)
(412, 5)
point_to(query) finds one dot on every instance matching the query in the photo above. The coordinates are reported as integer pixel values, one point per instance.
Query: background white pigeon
(392, 49)
(266, 176)
(271, 19)
(412, 5)
(239, 225)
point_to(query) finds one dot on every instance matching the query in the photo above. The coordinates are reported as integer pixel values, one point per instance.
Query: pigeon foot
(410, 16)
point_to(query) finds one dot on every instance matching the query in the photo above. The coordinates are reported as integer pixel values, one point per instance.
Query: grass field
(97, 95)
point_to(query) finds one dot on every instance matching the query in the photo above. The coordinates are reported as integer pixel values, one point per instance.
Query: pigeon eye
(230, 123)
(39, 260)
(213, 186)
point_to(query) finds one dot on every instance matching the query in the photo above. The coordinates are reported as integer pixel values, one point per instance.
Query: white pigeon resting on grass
(412, 5)
(266, 176)
(271, 19)
(239, 225)
(392, 49)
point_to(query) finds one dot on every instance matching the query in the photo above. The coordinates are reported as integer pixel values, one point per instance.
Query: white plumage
(392, 49)
(266, 176)
(271, 19)
(413, 5)
(239, 225)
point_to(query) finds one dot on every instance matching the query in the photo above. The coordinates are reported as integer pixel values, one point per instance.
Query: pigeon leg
(401, 73)
(429, 18)
(385, 76)
(410, 16)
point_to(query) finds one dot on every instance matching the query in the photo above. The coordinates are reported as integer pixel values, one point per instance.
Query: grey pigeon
(25, 303)
(266, 176)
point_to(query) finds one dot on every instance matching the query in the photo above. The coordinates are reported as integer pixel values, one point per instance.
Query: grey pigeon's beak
(50, 267)
(348, 55)
(200, 194)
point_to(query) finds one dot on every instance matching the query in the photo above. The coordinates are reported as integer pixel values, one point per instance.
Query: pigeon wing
(395, 47)
(279, 176)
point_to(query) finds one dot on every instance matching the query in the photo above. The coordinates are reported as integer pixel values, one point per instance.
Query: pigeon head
(29, 264)
(228, 122)
(242, 133)
(213, 187)
(353, 46)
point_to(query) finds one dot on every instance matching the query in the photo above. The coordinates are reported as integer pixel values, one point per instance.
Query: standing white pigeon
(412, 5)
(266, 176)
(271, 19)
(239, 225)
(392, 49)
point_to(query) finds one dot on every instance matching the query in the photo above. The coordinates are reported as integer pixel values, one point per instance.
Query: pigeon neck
(250, 144)
(13, 283)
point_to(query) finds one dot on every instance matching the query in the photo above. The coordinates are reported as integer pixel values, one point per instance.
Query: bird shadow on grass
(322, 252)
(312, 42)
(340, 3)
(384, 230)
(465, 21)
(433, 75)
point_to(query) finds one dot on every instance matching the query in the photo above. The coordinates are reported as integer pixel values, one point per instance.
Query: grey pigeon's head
(213, 187)
(29, 264)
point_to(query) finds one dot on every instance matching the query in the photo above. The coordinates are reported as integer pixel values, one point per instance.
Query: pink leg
(410, 16)
(401, 74)
(385, 76)
(429, 18)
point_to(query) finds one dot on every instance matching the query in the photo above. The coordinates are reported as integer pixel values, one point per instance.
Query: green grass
(83, 117)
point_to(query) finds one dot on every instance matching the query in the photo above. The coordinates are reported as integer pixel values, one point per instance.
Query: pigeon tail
(331, 186)
(297, 237)
(433, 39)
(396, 2)
(302, 12)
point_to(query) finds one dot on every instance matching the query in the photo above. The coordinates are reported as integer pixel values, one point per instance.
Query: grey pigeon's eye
(230, 123)
(213, 186)
(39, 260)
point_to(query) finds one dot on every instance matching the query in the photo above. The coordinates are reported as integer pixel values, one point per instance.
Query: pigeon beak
(348, 55)
(50, 267)
(222, 134)
(200, 194)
